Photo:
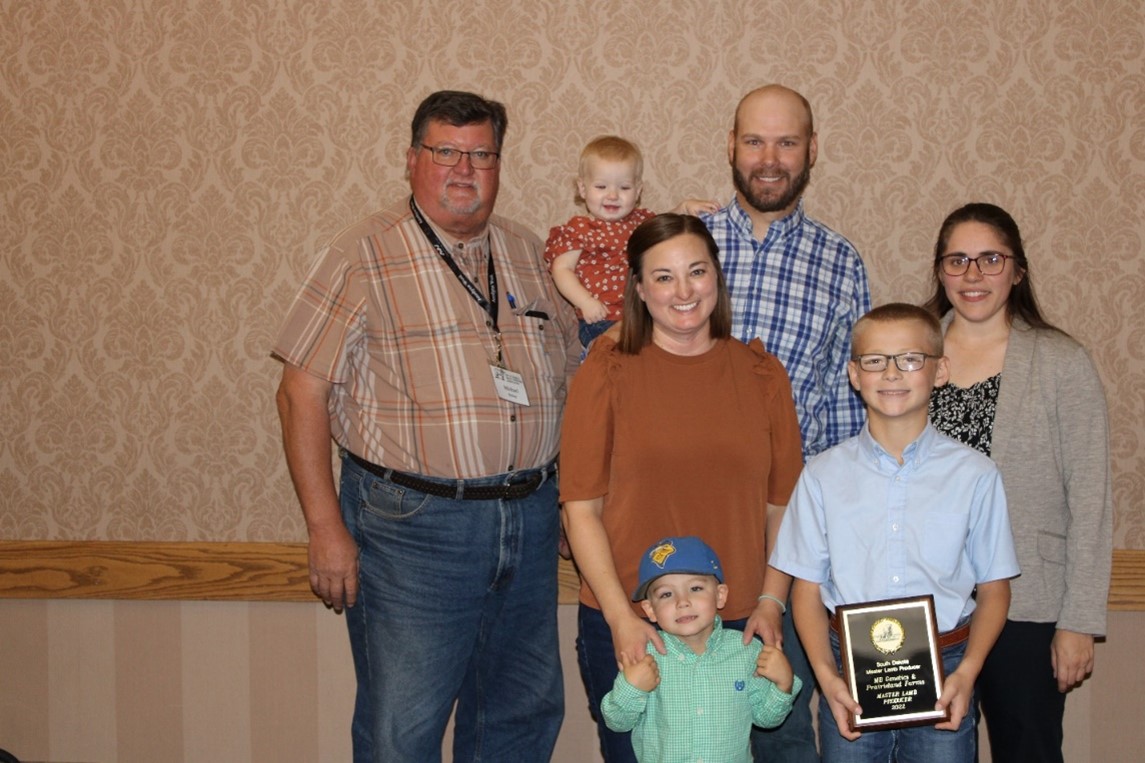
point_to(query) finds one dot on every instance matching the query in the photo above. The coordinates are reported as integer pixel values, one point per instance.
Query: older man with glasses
(429, 343)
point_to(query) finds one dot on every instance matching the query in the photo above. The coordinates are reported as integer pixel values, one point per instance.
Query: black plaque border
(869, 721)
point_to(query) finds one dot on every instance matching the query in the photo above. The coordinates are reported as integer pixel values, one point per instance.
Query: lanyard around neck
(488, 305)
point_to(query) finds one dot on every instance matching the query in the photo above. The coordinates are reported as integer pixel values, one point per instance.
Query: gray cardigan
(1051, 443)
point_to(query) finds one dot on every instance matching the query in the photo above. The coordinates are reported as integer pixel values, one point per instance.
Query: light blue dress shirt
(865, 527)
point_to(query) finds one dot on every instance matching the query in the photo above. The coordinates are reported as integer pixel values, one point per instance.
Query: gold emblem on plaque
(887, 635)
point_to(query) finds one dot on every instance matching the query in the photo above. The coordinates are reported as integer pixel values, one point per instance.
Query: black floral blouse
(967, 414)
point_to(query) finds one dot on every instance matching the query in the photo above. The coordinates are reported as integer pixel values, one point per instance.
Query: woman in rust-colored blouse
(675, 429)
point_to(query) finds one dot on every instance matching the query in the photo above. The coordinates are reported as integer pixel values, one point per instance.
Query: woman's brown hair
(636, 321)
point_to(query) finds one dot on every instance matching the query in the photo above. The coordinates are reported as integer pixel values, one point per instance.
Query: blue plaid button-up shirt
(800, 290)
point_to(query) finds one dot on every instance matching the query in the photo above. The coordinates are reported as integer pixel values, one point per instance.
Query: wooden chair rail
(265, 572)
(171, 571)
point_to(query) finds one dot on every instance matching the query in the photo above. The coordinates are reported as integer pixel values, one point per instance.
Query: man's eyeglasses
(904, 361)
(989, 264)
(450, 157)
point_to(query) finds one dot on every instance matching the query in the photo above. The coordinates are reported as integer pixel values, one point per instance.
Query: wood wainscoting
(265, 572)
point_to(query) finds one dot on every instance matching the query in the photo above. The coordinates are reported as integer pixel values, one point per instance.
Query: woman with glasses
(1026, 394)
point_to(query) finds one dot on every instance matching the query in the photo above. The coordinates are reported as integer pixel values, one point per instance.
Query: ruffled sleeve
(565, 238)
(587, 428)
(786, 440)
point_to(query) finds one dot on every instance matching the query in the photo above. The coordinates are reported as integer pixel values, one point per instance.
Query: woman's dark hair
(458, 108)
(636, 322)
(1022, 302)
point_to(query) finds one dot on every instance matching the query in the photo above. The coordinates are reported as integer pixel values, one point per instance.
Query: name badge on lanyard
(510, 385)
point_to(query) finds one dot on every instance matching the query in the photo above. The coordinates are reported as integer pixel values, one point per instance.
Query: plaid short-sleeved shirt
(409, 350)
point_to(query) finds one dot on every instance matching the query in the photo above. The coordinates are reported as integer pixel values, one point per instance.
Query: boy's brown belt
(950, 638)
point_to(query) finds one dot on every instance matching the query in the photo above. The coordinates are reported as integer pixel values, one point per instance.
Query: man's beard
(760, 203)
(462, 208)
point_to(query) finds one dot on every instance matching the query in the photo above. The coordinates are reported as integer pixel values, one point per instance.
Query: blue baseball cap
(685, 555)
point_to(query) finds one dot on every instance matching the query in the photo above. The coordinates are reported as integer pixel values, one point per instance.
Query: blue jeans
(589, 331)
(794, 740)
(917, 744)
(457, 602)
(597, 660)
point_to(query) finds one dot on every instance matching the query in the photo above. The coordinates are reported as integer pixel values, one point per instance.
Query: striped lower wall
(183, 652)
(88, 681)
(215, 682)
(173, 681)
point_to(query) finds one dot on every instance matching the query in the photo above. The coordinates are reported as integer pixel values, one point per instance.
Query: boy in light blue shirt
(897, 511)
(699, 701)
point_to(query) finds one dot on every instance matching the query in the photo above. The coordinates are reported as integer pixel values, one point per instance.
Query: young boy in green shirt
(700, 700)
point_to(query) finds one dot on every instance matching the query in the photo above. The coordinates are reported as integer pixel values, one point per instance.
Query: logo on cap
(685, 554)
(660, 554)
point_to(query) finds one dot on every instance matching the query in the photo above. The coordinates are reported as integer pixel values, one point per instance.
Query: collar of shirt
(912, 455)
(681, 651)
(470, 254)
(632, 219)
(783, 227)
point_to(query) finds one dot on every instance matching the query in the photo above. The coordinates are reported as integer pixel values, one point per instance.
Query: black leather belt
(526, 485)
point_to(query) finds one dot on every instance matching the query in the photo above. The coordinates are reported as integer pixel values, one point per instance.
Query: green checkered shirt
(705, 704)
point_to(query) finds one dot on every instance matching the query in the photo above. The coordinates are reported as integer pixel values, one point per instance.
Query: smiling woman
(652, 423)
(676, 296)
(1027, 395)
(678, 288)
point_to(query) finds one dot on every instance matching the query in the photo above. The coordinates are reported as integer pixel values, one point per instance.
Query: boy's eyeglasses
(904, 361)
(450, 157)
(990, 264)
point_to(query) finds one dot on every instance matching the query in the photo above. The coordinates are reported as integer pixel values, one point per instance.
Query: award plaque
(892, 662)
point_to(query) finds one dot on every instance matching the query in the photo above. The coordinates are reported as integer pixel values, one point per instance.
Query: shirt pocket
(1051, 547)
(943, 540)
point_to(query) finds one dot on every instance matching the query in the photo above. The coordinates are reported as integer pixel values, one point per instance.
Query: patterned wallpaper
(170, 167)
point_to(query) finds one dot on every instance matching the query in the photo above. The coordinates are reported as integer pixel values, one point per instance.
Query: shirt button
(895, 527)
(512, 417)
(895, 579)
(699, 711)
